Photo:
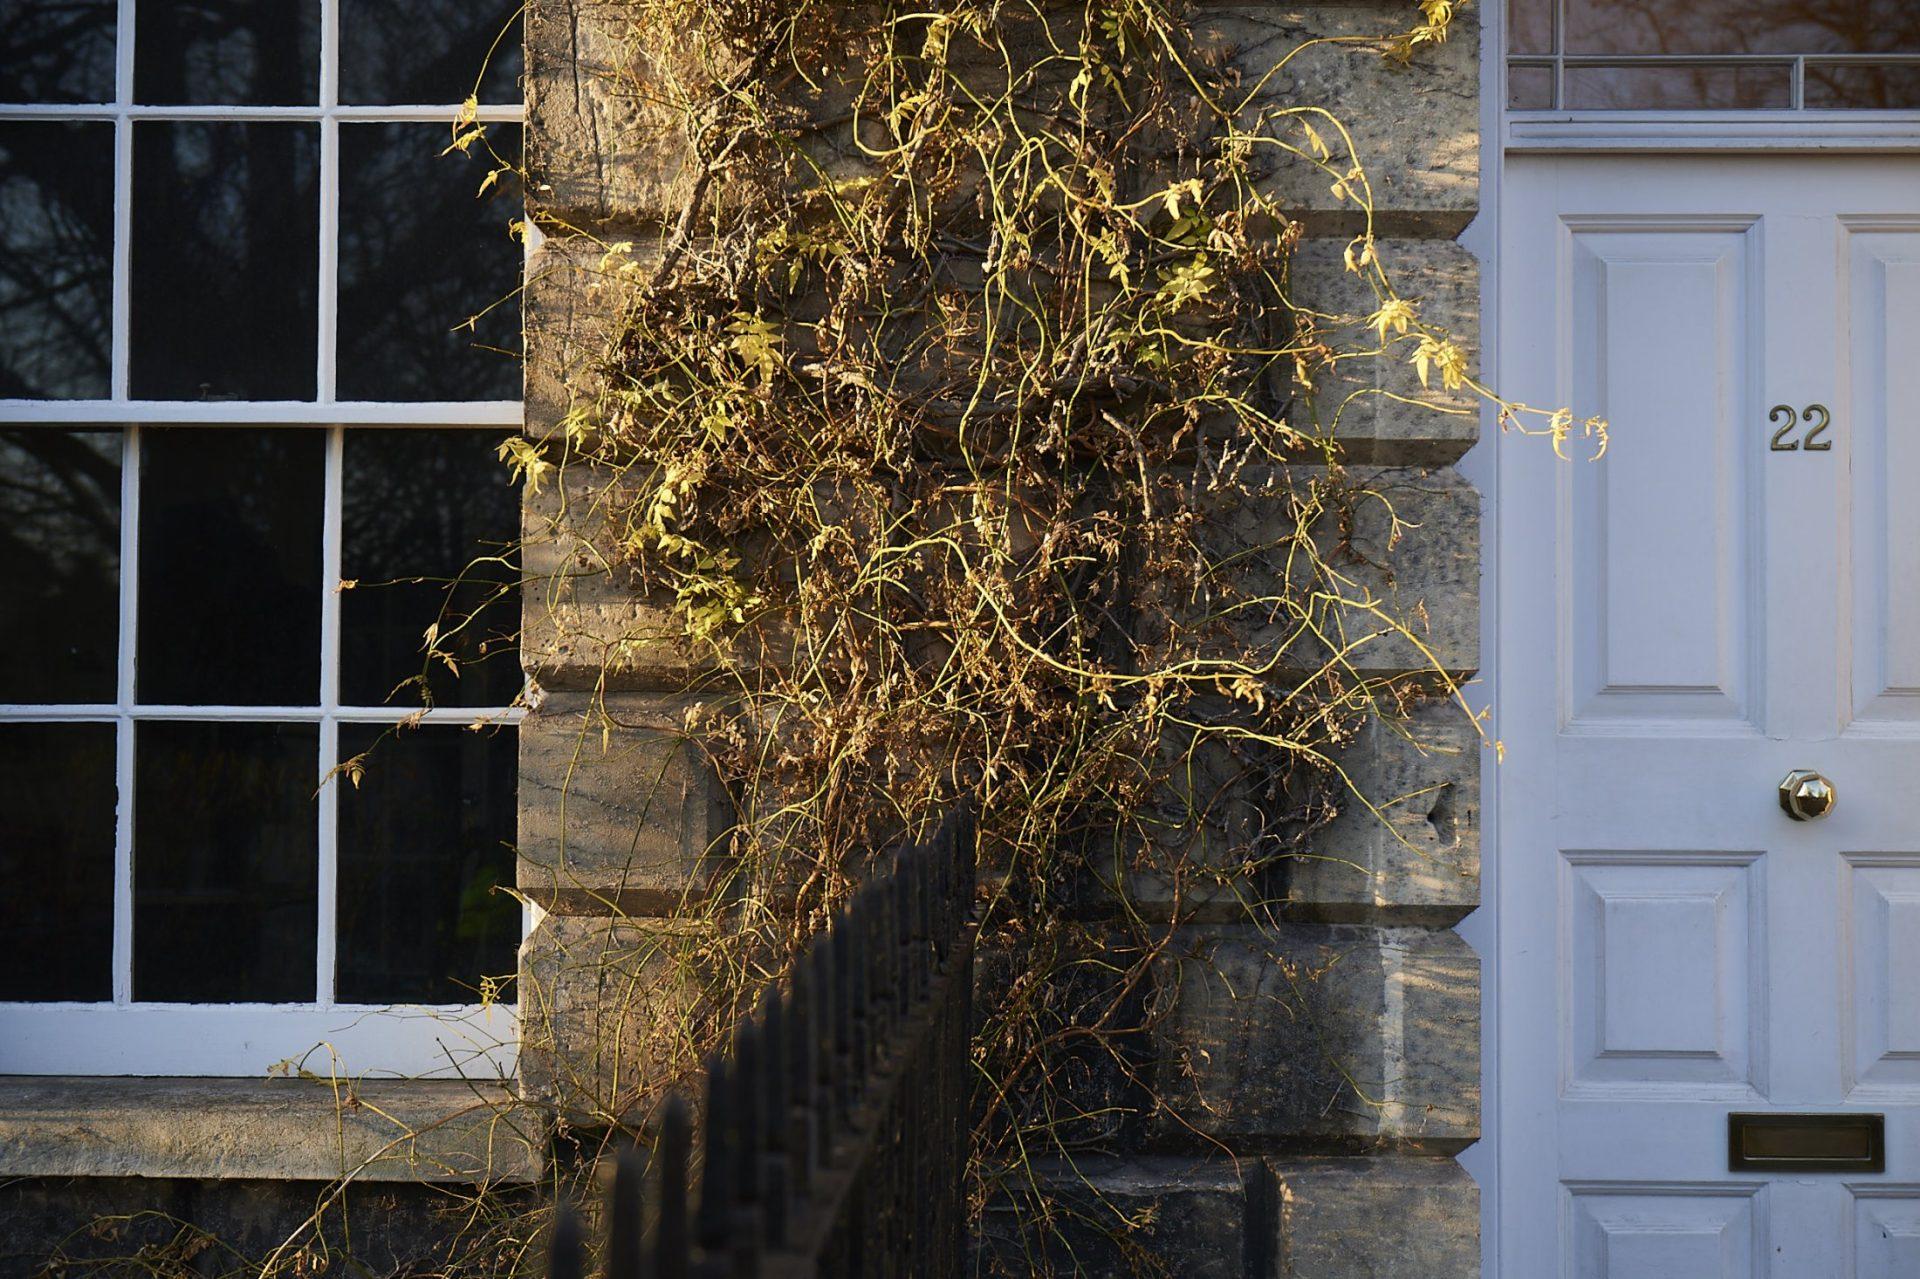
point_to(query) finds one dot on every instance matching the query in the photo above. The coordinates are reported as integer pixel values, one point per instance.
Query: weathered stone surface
(154, 1226)
(280, 1129)
(1415, 127)
(1406, 845)
(568, 310)
(585, 623)
(597, 150)
(610, 1012)
(619, 810)
(1394, 586)
(1377, 407)
(1385, 1218)
(1175, 1217)
(1319, 1031)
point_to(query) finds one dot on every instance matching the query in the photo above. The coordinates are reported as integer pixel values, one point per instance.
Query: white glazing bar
(424, 112)
(363, 414)
(124, 731)
(266, 714)
(120, 358)
(328, 792)
(329, 283)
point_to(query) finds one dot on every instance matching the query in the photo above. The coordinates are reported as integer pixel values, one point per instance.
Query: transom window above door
(1713, 55)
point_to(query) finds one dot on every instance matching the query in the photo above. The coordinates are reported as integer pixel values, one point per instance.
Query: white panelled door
(1732, 594)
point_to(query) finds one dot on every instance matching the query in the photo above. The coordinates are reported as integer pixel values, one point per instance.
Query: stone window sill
(267, 1129)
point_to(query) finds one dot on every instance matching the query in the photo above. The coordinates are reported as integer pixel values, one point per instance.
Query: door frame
(1503, 133)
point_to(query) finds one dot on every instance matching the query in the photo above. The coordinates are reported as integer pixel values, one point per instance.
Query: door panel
(1731, 594)
(1664, 310)
(1884, 283)
(1686, 1232)
(1667, 957)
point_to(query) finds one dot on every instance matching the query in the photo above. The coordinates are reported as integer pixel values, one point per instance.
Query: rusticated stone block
(1309, 1031)
(1377, 408)
(619, 810)
(1415, 125)
(568, 308)
(586, 623)
(1393, 586)
(1385, 1218)
(610, 1013)
(600, 151)
(1406, 844)
(288, 1129)
(1190, 1218)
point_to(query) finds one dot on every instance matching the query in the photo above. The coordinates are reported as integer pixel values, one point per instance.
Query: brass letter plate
(1807, 1143)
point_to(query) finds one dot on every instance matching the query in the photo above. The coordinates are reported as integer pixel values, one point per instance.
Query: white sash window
(247, 460)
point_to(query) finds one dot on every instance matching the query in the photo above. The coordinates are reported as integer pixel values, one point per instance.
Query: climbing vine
(962, 431)
(966, 430)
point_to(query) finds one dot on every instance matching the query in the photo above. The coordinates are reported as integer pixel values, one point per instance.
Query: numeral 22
(1812, 443)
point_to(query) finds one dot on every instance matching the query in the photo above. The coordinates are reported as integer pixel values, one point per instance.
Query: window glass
(422, 918)
(57, 52)
(423, 252)
(421, 510)
(230, 565)
(1529, 88)
(56, 859)
(1871, 88)
(56, 259)
(227, 52)
(421, 51)
(226, 872)
(59, 565)
(1530, 26)
(1714, 55)
(162, 199)
(1669, 87)
(226, 244)
(1741, 26)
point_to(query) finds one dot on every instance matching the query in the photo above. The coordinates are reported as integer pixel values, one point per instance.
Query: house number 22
(1812, 443)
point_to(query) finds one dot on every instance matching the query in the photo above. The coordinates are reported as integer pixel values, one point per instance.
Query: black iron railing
(834, 1131)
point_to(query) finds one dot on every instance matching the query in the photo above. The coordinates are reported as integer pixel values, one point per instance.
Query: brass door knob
(1805, 795)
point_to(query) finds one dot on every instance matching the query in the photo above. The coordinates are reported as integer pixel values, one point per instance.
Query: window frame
(1790, 128)
(124, 1037)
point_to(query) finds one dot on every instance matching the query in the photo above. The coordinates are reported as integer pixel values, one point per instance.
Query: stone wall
(1306, 1129)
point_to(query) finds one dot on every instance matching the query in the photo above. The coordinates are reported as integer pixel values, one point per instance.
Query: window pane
(226, 862)
(429, 51)
(226, 244)
(1530, 26)
(57, 799)
(1529, 88)
(56, 260)
(230, 530)
(243, 52)
(1658, 87)
(425, 839)
(1742, 26)
(57, 50)
(419, 255)
(418, 508)
(1867, 88)
(59, 565)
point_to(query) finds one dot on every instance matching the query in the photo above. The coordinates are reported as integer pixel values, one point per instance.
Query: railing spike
(713, 1221)
(624, 1216)
(564, 1260)
(672, 1247)
(775, 1077)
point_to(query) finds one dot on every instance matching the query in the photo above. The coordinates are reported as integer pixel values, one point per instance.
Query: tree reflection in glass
(56, 259)
(59, 565)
